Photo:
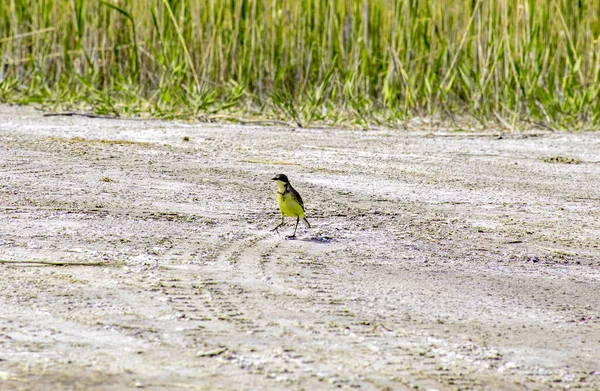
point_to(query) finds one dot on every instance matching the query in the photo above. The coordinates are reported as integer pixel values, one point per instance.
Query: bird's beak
(273, 179)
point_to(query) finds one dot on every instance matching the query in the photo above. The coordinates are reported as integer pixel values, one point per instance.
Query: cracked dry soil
(437, 260)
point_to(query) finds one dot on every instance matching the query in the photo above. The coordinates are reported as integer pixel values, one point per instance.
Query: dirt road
(437, 260)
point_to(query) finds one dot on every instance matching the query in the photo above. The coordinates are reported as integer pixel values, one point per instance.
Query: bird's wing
(297, 196)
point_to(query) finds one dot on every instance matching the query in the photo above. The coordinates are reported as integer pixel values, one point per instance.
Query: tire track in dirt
(272, 266)
(310, 285)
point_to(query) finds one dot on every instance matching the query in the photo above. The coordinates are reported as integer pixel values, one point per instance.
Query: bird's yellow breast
(289, 206)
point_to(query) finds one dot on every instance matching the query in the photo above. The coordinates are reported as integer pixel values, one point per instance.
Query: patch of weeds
(561, 160)
(351, 65)
(77, 139)
(285, 103)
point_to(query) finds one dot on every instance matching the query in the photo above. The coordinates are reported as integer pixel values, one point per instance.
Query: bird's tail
(306, 222)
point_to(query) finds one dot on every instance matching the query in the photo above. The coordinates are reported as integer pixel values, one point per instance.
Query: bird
(290, 203)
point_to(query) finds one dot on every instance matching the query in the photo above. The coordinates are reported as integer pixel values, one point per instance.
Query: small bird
(290, 203)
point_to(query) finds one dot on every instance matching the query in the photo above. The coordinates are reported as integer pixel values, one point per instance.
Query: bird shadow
(317, 239)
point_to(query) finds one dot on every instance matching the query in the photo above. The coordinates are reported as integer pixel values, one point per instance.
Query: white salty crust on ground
(436, 260)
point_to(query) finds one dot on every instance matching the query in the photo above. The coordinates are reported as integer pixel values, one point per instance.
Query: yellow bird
(290, 203)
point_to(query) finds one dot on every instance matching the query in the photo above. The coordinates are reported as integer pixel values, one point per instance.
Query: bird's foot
(276, 229)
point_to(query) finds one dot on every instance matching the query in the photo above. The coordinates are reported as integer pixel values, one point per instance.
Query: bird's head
(281, 178)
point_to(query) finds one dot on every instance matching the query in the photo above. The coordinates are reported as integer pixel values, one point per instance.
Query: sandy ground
(437, 260)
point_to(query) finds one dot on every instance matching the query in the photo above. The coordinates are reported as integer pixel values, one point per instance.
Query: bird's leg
(280, 224)
(295, 228)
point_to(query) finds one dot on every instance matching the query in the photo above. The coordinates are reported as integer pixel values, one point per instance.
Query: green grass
(358, 62)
